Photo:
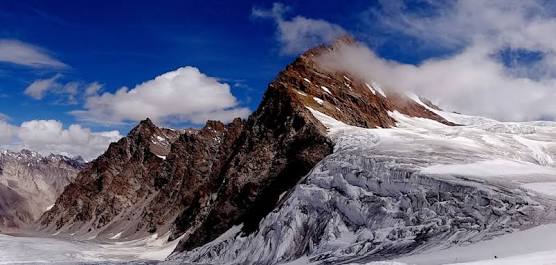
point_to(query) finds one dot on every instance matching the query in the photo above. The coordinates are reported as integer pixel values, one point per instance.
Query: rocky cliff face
(118, 180)
(189, 181)
(30, 183)
(197, 184)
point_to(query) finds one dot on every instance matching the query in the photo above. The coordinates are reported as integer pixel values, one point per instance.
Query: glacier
(388, 193)
(40, 249)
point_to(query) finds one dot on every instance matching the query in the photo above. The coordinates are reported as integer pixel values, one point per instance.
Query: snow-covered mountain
(330, 169)
(434, 180)
(205, 181)
(30, 183)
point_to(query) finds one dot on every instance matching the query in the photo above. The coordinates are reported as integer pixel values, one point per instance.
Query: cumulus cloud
(474, 79)
(17, 52)
(298, 33)
(49, 136)
(183, 95)
(6, 129)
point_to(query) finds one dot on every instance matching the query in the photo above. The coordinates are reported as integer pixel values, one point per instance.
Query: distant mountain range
(30, 184)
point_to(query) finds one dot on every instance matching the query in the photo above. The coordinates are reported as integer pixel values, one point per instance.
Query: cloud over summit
(299, 33)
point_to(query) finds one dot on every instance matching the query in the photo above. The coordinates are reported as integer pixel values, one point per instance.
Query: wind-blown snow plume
(500, 61)
(470, 82)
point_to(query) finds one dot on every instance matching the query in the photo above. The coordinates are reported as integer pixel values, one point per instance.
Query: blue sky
(124, 45)
(120, 44)
(84, 72)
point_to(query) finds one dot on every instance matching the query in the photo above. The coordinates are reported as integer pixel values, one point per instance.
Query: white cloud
(16, 52)
(93, 89)
(49, 136)
(183, 95)
(70, 92)
(501, 23)
(7, 132)
(39, 88)
(474, 80)
(471, 82)
(4, 117)
(299, 33)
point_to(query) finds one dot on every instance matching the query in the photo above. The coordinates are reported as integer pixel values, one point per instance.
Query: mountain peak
(344, 96)
(144, 128)
(344, 40)
(147, 121)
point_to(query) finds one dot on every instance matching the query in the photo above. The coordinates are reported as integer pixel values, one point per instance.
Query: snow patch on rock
(326, 90)
(318, 100)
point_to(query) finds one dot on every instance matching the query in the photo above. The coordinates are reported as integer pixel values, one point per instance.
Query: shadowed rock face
(198, 183)
(30, 183)
(191, 177)
(282, 141)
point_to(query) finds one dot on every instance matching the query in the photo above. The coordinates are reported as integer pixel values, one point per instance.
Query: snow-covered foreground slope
(535, 246)
(34, 250)
(389, 193)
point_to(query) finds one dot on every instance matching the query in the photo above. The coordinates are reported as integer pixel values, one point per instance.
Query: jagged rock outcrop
(30, 183)
(189, 180)
(282, 141)
(119, 179)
